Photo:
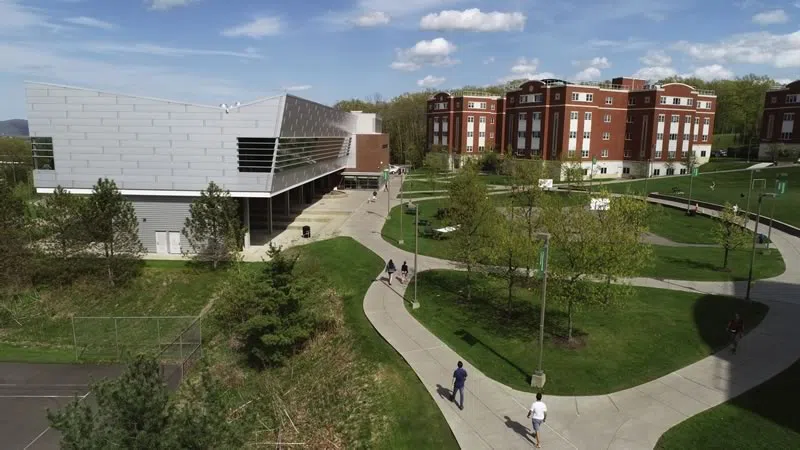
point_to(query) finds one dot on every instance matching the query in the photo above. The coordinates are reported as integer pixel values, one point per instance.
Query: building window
(470, 134)
(784, 136)
(628, 136)
(587, 134)
(647, 100)
(656, 172)
(491, 135)
(585, 172)
(788, 116)
(573, 115)
(609, 100)
(557, 96)
(673, 136)
(481, 134)
(670, 171)
(570, 153)
(705, 137)
(675, 119)
(773, 99)
(607, 118)
(671, 155)
(585, 153)
(458, 104)
(482, 119)
(627, 153)
(659, 136)
(629, 119)
(661, 118)
(481, 148)
(523, 116)
(536, 116)
(676, 101)
(697, 121)
(491, 120)
(574, 96)
(587, 116)
(770, 125)
(685, 136)
(256, 154)
(492, 107)
(476, 105)
(42, 152)
(706, 121)
(689, 102)
(603, 170)
(687, 119)
(511, 100)
(703, 154)
(791, 98)
(683, 171)
(573, 135)
(663, 100)
(430, 107)
(626, 170)
(631, 101)
(606, 136)
(604, 153)
(470, 119)
(536, 134)
(521, 134)
(589, 97)
(469, 148)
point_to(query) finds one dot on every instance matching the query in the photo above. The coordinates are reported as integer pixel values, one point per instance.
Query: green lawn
(715, 165)
(654, 333)
(764, 417)
(424, 194)
(728, 187)
(424, 185)
(41, 326)
(705, 264)
(675, 225)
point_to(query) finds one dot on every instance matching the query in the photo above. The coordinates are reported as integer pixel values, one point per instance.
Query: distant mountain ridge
(14, 127)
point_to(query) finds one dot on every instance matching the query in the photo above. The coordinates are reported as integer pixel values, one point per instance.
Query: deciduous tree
(509, 248)
(730, 232)
(213, 228)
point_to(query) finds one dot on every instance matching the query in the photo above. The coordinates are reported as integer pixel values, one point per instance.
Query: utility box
(306, 231)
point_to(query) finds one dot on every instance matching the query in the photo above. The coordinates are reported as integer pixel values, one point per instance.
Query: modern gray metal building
(271, 154)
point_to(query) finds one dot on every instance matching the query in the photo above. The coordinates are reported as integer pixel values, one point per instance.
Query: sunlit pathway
(494, 416)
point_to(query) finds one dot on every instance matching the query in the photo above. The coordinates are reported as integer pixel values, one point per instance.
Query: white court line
(41, 385)
(43, 396)
(48, 428)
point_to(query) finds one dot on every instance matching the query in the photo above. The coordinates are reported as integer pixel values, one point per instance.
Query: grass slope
(654, 333)
(763, 418)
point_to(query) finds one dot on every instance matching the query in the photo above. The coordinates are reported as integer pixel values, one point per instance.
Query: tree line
(740, 105)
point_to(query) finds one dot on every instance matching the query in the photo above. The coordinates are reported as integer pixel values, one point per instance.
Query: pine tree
(213, 228)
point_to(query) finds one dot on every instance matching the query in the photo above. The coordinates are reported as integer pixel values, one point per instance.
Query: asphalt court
(27, 391)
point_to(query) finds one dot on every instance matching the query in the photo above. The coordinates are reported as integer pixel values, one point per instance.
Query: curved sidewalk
(494, 414)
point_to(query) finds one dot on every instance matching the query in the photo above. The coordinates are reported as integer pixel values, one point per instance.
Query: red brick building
(778, 127)
(630, 128)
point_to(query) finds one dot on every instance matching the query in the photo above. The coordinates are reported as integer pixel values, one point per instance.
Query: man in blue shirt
(459, 378)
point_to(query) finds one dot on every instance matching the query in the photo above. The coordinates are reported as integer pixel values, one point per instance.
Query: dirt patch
(577, 342)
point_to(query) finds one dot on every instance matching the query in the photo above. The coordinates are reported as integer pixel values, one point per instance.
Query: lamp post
(386, 187)
(415, 305)
(693, 174)
(755, 239)
(539, 378)
(750, 190)
(401, 241)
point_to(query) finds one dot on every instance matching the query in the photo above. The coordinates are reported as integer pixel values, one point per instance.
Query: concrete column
(313, 189)
(246, 222)
(303, 195)
(288, 201)
(269, 214)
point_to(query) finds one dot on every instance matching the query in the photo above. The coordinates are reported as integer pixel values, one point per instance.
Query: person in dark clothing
(390, 269)
(736, 331)
(459, 379)
(404, 271)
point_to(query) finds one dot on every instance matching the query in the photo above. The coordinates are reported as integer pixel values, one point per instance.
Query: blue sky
(214, 51)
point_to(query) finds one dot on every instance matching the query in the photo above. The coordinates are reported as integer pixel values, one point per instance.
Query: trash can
(306, 231)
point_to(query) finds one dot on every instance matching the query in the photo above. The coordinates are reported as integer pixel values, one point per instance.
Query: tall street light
(401, 240)
(755, 239)
(539, 378)
(415, 305)
(750, 190)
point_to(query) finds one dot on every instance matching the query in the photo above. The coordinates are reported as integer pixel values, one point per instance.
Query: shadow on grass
(471, 340)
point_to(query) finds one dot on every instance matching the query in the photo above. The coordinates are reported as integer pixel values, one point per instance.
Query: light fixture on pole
(750, 190)
(755, 239)
(539, 378)
(780, 188)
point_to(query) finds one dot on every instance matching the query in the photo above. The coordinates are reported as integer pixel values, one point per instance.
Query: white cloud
(473, 20)
(257, 28)
(299, 87)
(654, 73)
(372, 19)
(784, 81)
(712, 72)
(489, 60)
(90, 22)
(430, 81)
(588, 74)
(777, 50)
(656, 58)
(158, 50)
(435, 52)
(630, 44)
(402, 8)
(393, 9)
(771, 17)
(165, 5)
(525, 69)
(16, 17)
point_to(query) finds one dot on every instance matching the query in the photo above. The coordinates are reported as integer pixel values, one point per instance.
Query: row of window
(476, 105)
(481, 134)
(678, 101)
(687, 119)
(470, 147)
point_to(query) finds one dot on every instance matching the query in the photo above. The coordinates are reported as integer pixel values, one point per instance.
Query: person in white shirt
(539, 411)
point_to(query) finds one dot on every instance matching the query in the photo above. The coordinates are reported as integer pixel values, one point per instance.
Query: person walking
(736, 331)
(459, 379)
(539, 412)
(390, 269)
(404, 272)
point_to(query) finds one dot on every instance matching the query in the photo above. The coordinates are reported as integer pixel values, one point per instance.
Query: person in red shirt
(736, 331)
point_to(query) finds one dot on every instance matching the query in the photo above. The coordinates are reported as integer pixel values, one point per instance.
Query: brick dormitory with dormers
(779, 133)
(628, 127)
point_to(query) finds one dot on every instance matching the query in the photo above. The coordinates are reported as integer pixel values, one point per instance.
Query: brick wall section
(371, 150)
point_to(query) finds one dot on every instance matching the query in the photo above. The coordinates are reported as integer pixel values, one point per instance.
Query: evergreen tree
(213, 228)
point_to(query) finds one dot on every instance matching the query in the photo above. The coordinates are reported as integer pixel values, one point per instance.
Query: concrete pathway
(494, 414)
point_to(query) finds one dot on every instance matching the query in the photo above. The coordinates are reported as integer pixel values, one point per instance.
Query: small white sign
(599, 204)
(546, 183)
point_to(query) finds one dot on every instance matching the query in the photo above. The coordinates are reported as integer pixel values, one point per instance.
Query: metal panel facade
(122, 137)
(160, 214)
